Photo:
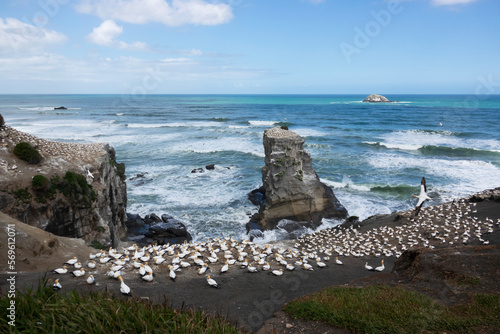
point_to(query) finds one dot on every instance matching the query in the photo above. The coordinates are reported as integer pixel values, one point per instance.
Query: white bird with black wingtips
(422, 197)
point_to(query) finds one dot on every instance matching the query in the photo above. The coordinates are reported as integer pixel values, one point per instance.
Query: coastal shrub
(120, 168)
(96, 244)
(40, 183)
(28, 153)
(75, 187)
(43, 310)
(22, 195)
(284, 127)
(2, 121)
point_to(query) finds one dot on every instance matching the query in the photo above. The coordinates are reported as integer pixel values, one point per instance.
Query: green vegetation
(22, 195)
(2, 121)
(381, 309)
(468, 280)
(284, 127)
(120, 168)
(28, 153)
(75, 187)
(47, 311)
(280, 174)
(40, 183)
(96, 244)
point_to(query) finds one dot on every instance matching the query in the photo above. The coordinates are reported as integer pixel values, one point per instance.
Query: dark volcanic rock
(210, 167)
(198, 170)
(60, 108)
(157, 230)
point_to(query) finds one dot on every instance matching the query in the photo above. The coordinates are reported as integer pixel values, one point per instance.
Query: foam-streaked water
(372, 155)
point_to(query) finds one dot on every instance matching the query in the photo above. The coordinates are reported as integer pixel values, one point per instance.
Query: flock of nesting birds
(69, 151)
(438, 226)
(220, 255)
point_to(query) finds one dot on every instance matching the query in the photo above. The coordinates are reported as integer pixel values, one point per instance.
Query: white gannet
(224, 268)
(124, 287)
(422, 197)
(62, 270)
(89, 174)
(290, 267)
(212, 282)
(307, 266)
(278, 272)
(267, 266)
(77, 265)
(116, 267)
(91, 265)
(337, 261)
(381, 267)
(148, 277)
(142, 270)
(203, 269)
(368, 267)
(90, 279)
(78, 273)
(252, 269)
(71, 261)
(320, 264)
(56, 285)
(172, 273)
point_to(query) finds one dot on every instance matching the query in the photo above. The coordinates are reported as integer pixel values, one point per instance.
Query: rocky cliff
(291, 188)
(77, 190)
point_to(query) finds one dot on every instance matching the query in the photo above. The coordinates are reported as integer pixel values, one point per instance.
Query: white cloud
(106, 35)
(450, 2)
(17, 36)
(174, 13)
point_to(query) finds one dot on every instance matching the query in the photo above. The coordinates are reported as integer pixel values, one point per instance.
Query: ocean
(372, 155)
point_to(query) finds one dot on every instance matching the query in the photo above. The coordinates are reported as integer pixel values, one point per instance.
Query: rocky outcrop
(376, 98)
(156, 230)
(95, 211)
(291, 188)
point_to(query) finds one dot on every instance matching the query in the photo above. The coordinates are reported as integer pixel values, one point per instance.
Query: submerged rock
(291, 188)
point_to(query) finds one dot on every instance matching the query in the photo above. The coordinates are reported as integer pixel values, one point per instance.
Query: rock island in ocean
(291, 188)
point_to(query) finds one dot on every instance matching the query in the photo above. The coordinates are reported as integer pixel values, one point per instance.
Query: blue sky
(250, 46)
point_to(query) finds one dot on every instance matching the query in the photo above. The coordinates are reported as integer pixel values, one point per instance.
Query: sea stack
(291, 188)
(376, 98)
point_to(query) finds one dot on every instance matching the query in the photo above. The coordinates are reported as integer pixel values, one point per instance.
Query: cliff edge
(292, 189)
(82, 193)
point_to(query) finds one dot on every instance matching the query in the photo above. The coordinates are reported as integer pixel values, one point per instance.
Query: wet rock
(198, 170)
(210, 167)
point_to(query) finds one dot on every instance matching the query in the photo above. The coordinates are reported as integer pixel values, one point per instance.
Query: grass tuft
(382, 309)
(46, 311)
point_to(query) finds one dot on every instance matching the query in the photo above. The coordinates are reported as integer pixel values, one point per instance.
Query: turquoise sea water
(372, 155)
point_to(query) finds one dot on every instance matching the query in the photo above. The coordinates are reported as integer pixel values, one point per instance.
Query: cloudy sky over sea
(249, 46)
